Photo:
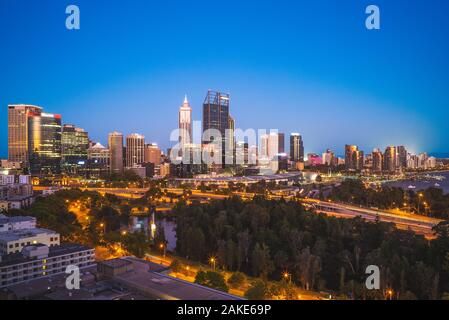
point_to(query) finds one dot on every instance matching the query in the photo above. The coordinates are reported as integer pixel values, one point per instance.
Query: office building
(296, 148)
(74, 145)
(135, 150)
(281, 142)
(390, 160)
(185, 124)
(18, 132)
(329, 158)
(401, 157)
(153, 154)
(354, 158)
(98, 158)
(377, 157)
(216, 118)
(44, 132)
(115, 143)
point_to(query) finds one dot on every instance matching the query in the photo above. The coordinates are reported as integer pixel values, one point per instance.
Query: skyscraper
(44, 133)
(216, 116)
(18, 133)
(185, 124)
(269, 145)
(281, 142)
(74, 146)
(153, 154)
(230, 140)
(401, 157)
(115, 143)
(135, 150)
(390, 159)
(377, 161)
(296, 148)
(354, 158)
(328, 158)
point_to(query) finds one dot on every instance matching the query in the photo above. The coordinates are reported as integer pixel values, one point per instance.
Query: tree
(258, 291)
(261, 262)
(237, 280)
(212, 279)
(137, 244)
(176, 266)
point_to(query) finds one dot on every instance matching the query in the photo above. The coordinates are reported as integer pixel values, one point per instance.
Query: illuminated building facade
(296, 148)
(18, 133)
(135, 150)
(74, 145)
(44, 132)
(115, 143)
(185, 124)
(216, 116)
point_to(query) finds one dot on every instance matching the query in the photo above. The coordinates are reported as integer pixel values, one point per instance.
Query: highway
(406, 221)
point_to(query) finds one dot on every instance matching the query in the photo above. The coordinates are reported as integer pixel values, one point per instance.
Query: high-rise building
(185, 124)
(281, 142)
(18, 132)
(98, 158)
(74, 146)
(241, 153)
(354, 158)
(377, 156)
(328, 158)
(216, 117)
(115, 143)
(269, 145)
(135, 150)
(153, 154)
(401, 157)
(44, 133)
(230, 140)
(296, 148)
(390, 159)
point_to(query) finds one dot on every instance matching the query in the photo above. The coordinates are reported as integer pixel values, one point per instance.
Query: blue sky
(297, 66)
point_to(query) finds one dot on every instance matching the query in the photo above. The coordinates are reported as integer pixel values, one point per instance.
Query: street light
(420, 195)
(390, 294)
(287, 276)
(212, 261)
(163, 247)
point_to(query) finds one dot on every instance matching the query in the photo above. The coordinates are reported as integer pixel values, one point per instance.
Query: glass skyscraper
(44, 132)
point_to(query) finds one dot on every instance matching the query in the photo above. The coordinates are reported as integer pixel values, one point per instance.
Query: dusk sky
(298, 66)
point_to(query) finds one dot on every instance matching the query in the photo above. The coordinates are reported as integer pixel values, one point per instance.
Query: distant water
(424, 184)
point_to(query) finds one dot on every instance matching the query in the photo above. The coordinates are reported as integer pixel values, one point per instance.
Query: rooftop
(55, 251)
(16, 235)
(143, 279)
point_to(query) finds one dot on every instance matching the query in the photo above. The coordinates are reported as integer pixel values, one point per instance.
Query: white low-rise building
(15, 241)
(38, 261)
(16, 223)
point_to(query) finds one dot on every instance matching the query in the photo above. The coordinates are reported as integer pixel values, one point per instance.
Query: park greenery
(264, 239)
(260, 241)
(104, 224)
(432, 202)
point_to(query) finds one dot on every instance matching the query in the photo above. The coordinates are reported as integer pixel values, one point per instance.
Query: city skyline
(274, 82)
